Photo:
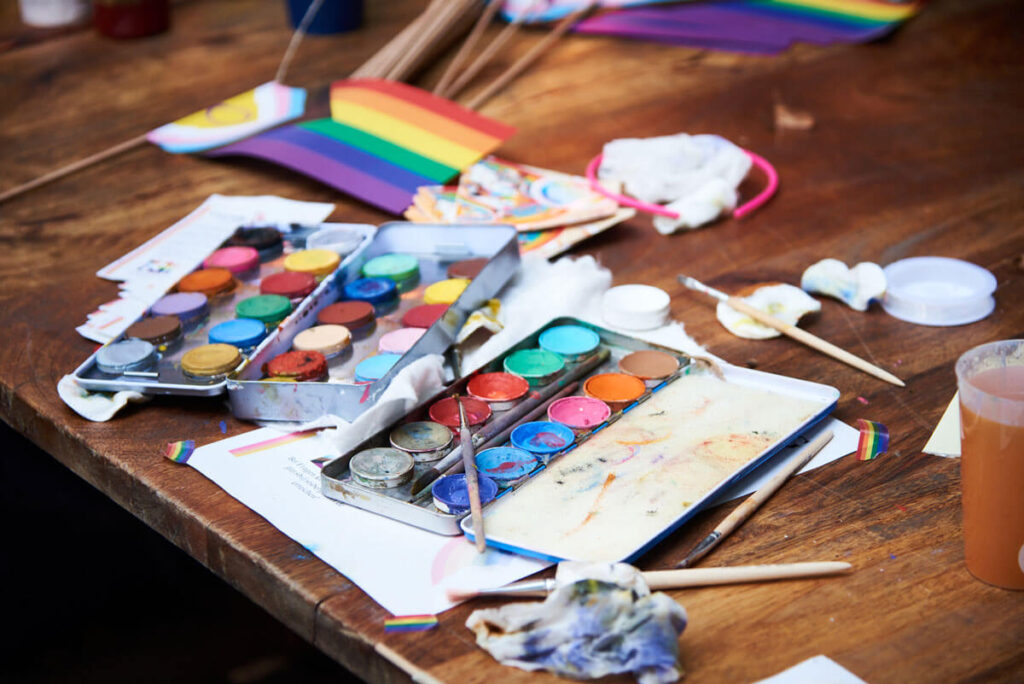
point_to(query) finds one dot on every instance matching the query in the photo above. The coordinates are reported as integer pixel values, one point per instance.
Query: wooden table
(917, 150)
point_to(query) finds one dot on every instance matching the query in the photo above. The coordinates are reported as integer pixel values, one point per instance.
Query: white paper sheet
(945, 441)
(817, 670)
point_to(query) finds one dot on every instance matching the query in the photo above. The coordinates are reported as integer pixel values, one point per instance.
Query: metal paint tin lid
(126, 355)
(451, 493)
(467, 268)
(938, 291)
(317, 262)
(446, 412)
(184, 305)
(271, 309)
(618, 390)
(211, 360)
(290, 284)
(649, 364)
(352, 315)
(403, 269)
(209, 281)
(445, 291)
(299, 366)
(635, 307)
(329, 340)
(424, 315)
(501, 390)
(579, 413)
(542, 437)
(235, 259)
(381, 467)
(157, 330)
(399, 341)
(572, 342)
(505, 464)
(372, 290)
(375, 367)
(244, 333)
(536, 366)
(424, 439)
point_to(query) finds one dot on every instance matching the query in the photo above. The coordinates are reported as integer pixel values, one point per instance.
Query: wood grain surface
(917, 150)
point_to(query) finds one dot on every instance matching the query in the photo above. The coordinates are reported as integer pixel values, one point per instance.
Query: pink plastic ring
(756, 202)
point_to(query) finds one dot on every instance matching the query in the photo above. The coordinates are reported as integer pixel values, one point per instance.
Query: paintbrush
(754, 501)
(792, 331)
(472, 484)
(510, 418)
(674, 579)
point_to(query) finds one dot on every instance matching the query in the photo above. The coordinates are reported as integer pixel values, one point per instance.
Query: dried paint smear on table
(628, 483)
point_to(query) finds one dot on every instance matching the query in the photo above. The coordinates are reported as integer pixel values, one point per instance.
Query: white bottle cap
(635, 307)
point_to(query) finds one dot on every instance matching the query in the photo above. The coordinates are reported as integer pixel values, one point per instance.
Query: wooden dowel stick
(74, 166)
(699, 577)
(754, 501)
(297, 36)
(467, 46)
(484, 57)
(440, 23)
(792, 331)
(378, 65)
(530, 57)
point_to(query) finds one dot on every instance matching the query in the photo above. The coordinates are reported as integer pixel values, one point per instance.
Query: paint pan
(650, 365)
(468, 268)
(264, 239)
(424, 315)
(319, 263)
(243, 262)
(402, 269)
(381, 468)
(270, 309)
(399, 341)
(446, 412)
(375, 367)
(542, 437)
(211, 282)
(424, 440)
(295, 286)
(358, 317)
(126, 356)
(571, 342)
(298, 366)
(210, 362)
(579, 414)
(451, 494)
(244, 333)
(330, 340)
(191, 308)
(505, 464)
(537, 366)
(445, 291)
(618, 390)
(381, 293)
(501, 391)
(163, 332)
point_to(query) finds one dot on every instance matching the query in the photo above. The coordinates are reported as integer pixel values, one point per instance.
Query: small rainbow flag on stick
(180, 451)
(410, 623)
(874, 439)
(383, 141)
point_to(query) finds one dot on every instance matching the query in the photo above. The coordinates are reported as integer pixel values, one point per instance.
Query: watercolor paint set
(404, 296)
(589, 444)
(219, 316)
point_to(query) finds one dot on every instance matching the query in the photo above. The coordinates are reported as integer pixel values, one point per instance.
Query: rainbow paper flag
(410, 623)
(383, 141)
(179, 452)
(235, 118)
(874, 439)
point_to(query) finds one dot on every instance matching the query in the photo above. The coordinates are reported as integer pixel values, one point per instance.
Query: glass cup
(990, 379)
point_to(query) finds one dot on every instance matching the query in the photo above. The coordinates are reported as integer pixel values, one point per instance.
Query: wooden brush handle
(703, 577)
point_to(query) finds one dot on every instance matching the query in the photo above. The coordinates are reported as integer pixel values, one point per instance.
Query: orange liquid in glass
(992, 473)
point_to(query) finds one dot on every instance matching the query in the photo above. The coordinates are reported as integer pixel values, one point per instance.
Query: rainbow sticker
(874, 439)
(179, 452)
(410, 623)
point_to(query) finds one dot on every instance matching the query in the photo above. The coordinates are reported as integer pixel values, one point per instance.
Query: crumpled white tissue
(697, 175)
(97, 406)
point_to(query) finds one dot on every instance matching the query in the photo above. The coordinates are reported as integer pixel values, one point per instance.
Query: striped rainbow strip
(383, 141)
(874, 439)
(410, 623)
(271, 443)
(179, 452)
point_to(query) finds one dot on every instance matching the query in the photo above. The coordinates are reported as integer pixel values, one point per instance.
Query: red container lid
(352, 315)
(298, 366)
(424, 315)
(288, 284)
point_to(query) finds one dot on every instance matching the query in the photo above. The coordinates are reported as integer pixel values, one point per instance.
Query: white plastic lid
(635, 307)
(938, 291)
(336, 238)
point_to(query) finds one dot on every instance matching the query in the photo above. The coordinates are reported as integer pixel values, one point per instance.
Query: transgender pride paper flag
(383, 141)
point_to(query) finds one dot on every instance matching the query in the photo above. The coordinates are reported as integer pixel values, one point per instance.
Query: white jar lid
(635, 307)
(938, 291)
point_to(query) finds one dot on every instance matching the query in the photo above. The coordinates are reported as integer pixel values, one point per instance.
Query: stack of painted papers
(383, 141)
(552, 211)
